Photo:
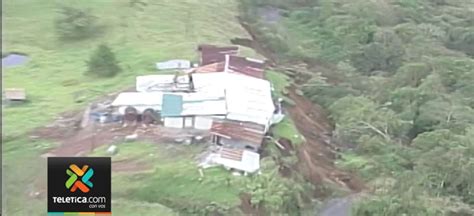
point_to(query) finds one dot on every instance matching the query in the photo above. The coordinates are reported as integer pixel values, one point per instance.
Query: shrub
(103, 63)
(74, 23)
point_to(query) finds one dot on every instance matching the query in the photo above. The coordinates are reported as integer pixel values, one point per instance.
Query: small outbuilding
(15, 94)
(238, 159)
(235, 134)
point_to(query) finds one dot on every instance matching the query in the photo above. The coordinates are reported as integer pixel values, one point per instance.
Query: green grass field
(163, 29)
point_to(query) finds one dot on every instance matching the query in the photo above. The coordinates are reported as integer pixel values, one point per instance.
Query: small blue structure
(13, 60)
(172, 105)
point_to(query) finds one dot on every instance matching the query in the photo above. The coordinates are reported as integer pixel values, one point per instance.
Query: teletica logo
(84, 184)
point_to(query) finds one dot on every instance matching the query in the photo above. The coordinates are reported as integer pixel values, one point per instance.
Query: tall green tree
(357, 116)
(103, 63)
(385, 53)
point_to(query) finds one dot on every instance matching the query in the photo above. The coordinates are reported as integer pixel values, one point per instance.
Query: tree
(275, 193)
(357, 116)
(319, 91)
(103, 63)
(444, 112)
(461, 39)
(75, 23)
(445, 159)
(411, 74)
(384, 54)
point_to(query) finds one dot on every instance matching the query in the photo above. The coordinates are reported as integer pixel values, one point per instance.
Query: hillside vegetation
(398, 79)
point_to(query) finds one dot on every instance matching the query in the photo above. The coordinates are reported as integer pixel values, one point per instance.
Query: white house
(187, 98)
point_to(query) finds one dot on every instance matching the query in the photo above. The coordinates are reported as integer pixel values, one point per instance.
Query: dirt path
(78, 142)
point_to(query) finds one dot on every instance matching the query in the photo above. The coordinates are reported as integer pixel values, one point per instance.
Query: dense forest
(397, 77)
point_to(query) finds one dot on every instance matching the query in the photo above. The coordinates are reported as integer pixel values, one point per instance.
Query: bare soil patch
(76, 138)
(317, 155)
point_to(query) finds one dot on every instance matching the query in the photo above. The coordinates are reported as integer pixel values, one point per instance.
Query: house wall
(173, 122)
(196, 122)
(202, 123)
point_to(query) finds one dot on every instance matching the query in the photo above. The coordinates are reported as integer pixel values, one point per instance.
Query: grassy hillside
(139, 35)
(54, 79)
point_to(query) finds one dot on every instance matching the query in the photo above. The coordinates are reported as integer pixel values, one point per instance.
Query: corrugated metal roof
(247, 66)
(247, 98)
(168, 83)
(172, 105)
(215, 67)
(235, 64)
(212, 54)
(218, 49)
(248, 132)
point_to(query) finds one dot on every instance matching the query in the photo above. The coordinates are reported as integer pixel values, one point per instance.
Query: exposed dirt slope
(317, 155)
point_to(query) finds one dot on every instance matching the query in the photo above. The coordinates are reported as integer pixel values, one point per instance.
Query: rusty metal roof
(15, 94)
(214, 67)
(235, 64)
(247, 66)
(212, 54)
(232, 154)
(214, 48)
(244, 131)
